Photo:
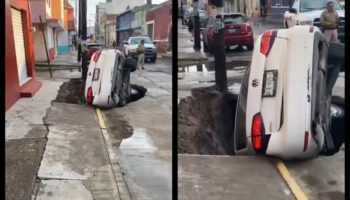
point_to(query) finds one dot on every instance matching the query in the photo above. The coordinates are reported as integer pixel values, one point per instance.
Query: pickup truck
(308, 12)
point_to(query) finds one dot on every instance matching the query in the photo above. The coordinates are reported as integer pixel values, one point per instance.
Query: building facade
(52, 15)
(139, 22)
(159, 25)
(123, 26)
(107, 31)
(20, 80)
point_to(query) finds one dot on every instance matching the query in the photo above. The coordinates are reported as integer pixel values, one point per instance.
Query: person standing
(141, 55)
(329, 23)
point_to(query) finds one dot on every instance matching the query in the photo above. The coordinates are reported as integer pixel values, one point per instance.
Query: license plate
(232, 30)
(269, 83)
(96, 74)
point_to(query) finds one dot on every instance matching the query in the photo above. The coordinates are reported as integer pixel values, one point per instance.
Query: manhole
(73, 90)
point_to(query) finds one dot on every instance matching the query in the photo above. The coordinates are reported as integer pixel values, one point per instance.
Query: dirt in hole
(206, 122)
(73, 90)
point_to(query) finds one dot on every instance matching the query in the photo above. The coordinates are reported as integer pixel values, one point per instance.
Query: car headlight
(305, 22)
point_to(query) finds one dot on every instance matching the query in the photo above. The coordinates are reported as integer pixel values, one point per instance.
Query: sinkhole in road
(72, 92)
(206, 122)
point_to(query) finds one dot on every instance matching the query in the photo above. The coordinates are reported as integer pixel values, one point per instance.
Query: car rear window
(233, 19)
(94, 46)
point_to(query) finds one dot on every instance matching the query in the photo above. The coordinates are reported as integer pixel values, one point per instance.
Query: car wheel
(337, 127)
(336, 54)
(250, 47)
(125, 94)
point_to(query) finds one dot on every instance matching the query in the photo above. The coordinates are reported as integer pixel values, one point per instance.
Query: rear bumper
(239, 40)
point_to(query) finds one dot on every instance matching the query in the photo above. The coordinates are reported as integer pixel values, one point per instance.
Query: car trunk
(232, 29)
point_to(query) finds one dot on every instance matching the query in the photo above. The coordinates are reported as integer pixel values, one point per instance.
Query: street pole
(197, 42)
(219, 47)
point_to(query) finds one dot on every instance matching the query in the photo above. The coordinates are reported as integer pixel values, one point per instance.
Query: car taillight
(89, 95)
(96, 56)
(256, 135)
(267, 41)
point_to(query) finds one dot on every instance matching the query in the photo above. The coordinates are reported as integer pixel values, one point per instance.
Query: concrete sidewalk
(61, 61)
(57, 150)
(229, 177)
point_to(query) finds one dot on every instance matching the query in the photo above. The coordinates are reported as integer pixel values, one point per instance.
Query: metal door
(19, 45)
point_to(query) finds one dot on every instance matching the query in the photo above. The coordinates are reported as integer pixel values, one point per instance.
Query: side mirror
(154, 43)
(293, 10)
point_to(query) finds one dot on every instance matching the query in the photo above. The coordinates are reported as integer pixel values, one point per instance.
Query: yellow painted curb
(293, 185)
(100, 118)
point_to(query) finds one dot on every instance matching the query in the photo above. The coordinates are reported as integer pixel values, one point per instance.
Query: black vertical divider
(174, 89)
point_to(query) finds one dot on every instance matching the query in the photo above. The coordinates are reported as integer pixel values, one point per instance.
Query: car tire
(336, 54)
(337, 127)
(125, 94)
(250, 47)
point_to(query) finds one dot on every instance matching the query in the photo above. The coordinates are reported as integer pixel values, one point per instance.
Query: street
(227, 176)
(67, 154)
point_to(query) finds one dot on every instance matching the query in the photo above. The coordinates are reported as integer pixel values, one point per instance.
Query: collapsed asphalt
(72, 92)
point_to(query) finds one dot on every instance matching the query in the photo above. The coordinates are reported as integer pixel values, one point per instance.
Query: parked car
(237, 32)
(108, 79)
(203, 20)
(284, 105)
(131, 44)
(308, 12)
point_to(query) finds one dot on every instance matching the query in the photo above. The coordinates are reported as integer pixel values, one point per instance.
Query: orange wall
(65, 20)
(57, 10)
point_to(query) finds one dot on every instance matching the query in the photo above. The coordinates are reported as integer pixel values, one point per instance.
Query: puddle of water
(147, 176)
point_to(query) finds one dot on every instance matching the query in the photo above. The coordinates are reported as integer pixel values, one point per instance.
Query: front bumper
(148, 55)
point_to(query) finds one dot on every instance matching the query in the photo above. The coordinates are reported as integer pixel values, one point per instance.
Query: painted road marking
(293, 185)
(123, 190)
(100, 119)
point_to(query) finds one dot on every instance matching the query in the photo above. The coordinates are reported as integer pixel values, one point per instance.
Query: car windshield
(94, 46)
(233, 19)
(137, 40)
(310, 5)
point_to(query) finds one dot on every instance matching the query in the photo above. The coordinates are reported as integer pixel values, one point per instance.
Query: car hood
(317, 14)
(134, 46)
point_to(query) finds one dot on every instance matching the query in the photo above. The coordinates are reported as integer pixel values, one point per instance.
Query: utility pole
(82, 37)
(197, 42)
(219, 47)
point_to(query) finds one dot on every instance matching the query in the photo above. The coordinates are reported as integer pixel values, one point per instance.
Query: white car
(283, 107)
(108, 79)
(130, 47)
(308, 12)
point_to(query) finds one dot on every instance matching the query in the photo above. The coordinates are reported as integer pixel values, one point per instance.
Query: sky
(91, 8)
